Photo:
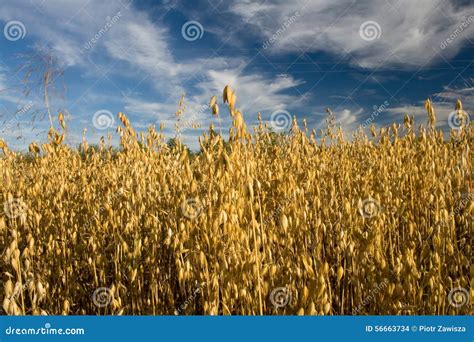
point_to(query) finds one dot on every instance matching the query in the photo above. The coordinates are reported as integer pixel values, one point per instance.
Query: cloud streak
(410, 31)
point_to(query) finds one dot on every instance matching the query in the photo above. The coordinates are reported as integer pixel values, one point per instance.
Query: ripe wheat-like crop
(258, 223)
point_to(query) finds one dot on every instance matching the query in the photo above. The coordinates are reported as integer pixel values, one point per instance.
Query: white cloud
(255, 93)
(416, 111)
(62, 25)
(142, 52)
(144, 46)
(79, 31)
(139, 49)
(442, 111)
(449, 94)
(410, 30)
(348, 118)
(443, 102)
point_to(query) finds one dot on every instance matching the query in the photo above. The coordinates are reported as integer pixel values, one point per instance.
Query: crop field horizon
(301, 222)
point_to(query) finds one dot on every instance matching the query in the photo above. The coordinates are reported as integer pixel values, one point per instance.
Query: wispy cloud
(132, 57)
(409, 32)
(443, 102)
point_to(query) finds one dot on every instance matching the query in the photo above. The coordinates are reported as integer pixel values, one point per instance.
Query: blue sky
(363, 59)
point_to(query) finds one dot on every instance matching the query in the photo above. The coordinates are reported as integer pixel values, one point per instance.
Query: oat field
(307, 223)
